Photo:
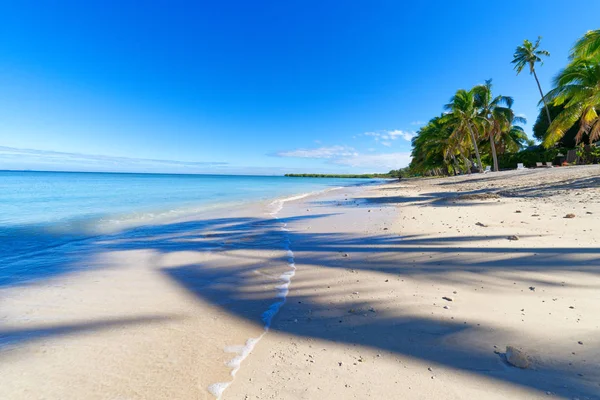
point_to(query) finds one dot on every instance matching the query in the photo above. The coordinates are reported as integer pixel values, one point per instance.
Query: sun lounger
(520, 166)
(539, 165)
(549, 164)
(487, 169)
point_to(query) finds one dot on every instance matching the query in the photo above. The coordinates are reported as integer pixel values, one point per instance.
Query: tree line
(478, 121)
(391, 174)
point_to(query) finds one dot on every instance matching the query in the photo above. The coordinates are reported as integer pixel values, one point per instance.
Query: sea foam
(243, 351)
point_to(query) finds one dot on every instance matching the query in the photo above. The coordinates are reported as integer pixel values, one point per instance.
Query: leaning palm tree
(463, 116)
(587, 47)
(578, 90)
(497, 113)
(528, 54)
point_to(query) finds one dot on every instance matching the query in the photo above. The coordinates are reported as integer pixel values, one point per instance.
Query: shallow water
(48, 218)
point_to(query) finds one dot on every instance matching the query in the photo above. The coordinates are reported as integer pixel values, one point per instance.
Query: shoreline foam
(243, 351)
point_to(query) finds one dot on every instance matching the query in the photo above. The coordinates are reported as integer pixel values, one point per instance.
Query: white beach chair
(539, 165)
(520, 166)
(487, 169)
(549, 164)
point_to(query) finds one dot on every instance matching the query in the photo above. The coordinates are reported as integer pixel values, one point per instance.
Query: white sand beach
(407, 290)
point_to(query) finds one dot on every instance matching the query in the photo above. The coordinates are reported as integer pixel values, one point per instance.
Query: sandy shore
(409, 290)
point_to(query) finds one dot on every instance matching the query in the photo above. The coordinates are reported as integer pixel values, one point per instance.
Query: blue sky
(255, 86)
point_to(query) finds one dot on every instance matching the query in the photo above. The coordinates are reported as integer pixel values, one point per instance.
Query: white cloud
(348, 156)
(320, 152)
(419, 123)
(401, 134)
(50, 159)
(376, 161)
(386, 144)
(384, 137)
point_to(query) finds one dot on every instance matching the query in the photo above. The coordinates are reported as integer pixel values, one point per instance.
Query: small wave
(278, 203)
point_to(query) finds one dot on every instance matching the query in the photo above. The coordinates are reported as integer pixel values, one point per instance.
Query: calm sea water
(45, 217)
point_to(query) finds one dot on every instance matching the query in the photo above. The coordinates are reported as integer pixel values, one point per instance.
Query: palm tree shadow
(243, 293)
(14, 336)
(433, 341)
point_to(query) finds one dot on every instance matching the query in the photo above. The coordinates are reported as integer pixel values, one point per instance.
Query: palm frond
(587, 47)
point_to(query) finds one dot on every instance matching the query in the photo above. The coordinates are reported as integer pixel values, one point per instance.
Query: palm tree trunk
(455, 165)
(467, 164)
(476, 148)
(494, 156)
(543, 99)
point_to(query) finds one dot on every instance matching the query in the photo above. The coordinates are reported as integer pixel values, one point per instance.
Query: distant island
(391, 174)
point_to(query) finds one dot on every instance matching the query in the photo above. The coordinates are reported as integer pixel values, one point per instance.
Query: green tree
(428, 148)
(541, 125)
(435, 151)
(514, 138)
(588, 47)
(528, 55)
(496, 112)
(578, 91)
(464, 119)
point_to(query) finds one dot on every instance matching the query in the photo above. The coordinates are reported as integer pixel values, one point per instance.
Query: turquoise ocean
(49, 218)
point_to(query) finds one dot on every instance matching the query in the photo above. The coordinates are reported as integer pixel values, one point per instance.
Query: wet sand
(365, 316)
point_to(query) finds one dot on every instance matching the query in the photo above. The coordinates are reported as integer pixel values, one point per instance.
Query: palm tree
(435, 150)
(588, 46)
(578, 90)
(528, 54)
(514, 138)
(497, 113)
(429, 148)
(463, 116)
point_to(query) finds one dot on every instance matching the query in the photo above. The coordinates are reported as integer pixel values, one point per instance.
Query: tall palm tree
(588, 46)
(578, 90)
(497, 113)
(463, 116)
(528, 54)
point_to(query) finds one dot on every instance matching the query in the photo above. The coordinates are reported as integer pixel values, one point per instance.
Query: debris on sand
(517, 357)
(570, 216)
(513, 237)
(479, 196)
(481, 224)
(448, 298)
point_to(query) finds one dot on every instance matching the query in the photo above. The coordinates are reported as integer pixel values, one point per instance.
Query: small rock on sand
(513, 237)
(570, 216)
(448, 298)
(517, 357)
(480, 224)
